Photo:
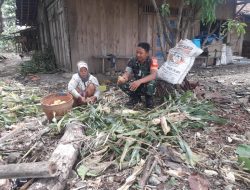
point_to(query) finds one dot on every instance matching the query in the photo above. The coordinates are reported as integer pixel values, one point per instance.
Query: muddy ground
(227, 86)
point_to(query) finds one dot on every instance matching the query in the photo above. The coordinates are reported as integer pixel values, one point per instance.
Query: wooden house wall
(226, 10)
(101, 27)
(85, 29)
(236, 42)
(59, 33)
(148, 23)
(53, 31)
(43, 27)
(247, 35)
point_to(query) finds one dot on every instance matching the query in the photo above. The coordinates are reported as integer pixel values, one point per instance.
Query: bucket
(50, 108)
(197, 42)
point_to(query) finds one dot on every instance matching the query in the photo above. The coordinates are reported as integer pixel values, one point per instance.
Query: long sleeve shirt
(77, 83)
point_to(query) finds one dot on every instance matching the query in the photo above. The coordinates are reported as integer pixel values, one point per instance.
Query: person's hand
(82, 100)
(91, 100)
(121, 80)
(134, 85)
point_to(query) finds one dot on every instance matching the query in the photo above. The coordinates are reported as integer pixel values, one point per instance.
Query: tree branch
(180, 11)
(160, 28)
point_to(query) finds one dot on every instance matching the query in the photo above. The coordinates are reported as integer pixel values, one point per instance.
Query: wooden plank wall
(226, 10)
(148, 24)
(59, 33)
(247, 35)
(100, 27)
(236, 42)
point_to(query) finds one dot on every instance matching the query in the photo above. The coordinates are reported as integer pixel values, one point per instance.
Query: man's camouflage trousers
(143, 90)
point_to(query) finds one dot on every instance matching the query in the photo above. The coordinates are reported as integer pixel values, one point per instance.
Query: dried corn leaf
(131, 179)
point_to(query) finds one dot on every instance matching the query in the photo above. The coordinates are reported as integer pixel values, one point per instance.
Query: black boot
(149, 101)
(133, 100)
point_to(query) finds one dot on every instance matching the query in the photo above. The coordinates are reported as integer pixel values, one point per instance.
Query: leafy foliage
(9, 21)
(234, 25)
(165, 9)
(41, 62)
(17, 102)
(243, 151)
(188, 12)
(130, 135)
(206, 8)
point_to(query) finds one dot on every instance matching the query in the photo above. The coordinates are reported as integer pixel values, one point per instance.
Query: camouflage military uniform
(139, 71)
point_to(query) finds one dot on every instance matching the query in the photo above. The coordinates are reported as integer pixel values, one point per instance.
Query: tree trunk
(160, 29)
(28, 170)
(187, 29)
(64, 156)
(178, 25)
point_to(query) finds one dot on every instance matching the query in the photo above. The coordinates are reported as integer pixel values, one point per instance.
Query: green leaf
(125, 150)
(135, 156)
(82, 171)
(132, 133)
(189, 155)
(243, 150)
(245, 162)
(59, 124)
(244, 155)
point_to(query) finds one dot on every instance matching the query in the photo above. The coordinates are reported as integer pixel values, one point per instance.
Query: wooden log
(28, 170)
(65, 156)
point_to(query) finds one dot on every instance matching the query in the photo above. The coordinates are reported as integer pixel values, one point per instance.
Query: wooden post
(103, 65)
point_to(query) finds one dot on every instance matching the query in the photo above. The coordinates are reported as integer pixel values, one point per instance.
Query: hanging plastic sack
(179, 62)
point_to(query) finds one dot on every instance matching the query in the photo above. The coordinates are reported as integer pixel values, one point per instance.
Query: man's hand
(91, 100)
(121, 80)
(134, 85)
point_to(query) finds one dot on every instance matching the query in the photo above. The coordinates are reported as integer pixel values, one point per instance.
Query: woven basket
(61, 109)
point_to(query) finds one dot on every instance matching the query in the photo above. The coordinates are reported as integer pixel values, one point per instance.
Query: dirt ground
(227, 86)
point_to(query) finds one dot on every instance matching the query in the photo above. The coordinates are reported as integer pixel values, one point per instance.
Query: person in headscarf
(83, 86)
(143, 68)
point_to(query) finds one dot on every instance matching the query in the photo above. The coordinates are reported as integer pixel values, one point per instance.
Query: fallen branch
(28, 170)
(242, 177)
(26, 185)
(151, 162)
(28, 152)
(64, 156)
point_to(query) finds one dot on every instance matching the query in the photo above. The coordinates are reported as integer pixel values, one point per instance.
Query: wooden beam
(242, 7)
(28, 170)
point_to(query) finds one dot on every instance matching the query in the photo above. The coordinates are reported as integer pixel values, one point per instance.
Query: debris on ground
(188, 141)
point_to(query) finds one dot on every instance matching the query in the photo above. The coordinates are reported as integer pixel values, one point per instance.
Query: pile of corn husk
(119, 138)
(130, 148)
(18, 102)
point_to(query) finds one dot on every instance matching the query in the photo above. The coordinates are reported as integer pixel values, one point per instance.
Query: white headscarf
(81, 64)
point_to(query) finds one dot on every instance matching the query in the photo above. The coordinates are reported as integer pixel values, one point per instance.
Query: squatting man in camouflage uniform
(83, 86)
(143, 69)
